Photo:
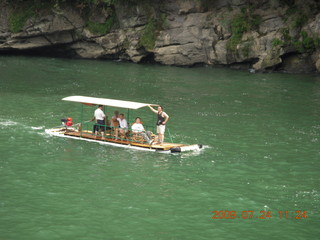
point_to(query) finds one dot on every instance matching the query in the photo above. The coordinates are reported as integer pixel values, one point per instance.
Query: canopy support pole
(81, 120)
(129, 124)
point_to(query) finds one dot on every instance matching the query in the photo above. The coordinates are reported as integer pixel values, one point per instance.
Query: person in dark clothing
(161, 122)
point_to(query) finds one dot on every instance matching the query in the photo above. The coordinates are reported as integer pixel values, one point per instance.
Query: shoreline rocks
(183, 33)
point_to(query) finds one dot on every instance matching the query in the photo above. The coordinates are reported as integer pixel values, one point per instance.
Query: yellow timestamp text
(248, 214)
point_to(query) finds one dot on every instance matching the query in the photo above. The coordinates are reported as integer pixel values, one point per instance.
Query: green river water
(262, 153)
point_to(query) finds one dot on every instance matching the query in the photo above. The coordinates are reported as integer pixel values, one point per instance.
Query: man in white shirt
(138, 128)
(123, 122)
(123, 126)
(99, 116)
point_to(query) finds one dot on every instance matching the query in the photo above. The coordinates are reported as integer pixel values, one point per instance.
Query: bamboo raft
(129, 141)
(160, 147)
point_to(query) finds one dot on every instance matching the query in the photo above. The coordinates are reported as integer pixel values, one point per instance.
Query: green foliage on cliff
(298, 12)
(18, 18)
(21, 11)
(297, 15)
(241, 23)
(246, 49)
(302, 43)
(299, 21)
(149, 35)
(101, 28)
(151, 31)
(286, 34)
(305, 43)
(105, 2)
(277, 42)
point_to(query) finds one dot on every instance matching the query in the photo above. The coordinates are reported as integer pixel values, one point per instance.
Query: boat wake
(38, 128)
(6, 123)
(205, 147)
(9, 124)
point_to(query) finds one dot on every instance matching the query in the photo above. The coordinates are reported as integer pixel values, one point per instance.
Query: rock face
(265, 35)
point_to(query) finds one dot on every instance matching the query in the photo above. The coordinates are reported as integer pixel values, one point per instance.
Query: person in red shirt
(69, 122)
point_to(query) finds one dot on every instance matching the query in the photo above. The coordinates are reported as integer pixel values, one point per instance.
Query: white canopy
(107, 102)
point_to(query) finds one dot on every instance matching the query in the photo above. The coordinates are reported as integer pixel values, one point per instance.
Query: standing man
(99, 116)
(161, 122)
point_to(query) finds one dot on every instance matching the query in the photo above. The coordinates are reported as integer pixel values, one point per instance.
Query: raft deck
(162, 147)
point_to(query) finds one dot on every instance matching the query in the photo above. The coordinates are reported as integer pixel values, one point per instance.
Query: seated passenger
(69, 122)
(123, 125)
(115, 119)
(114, 123)
(138, 128)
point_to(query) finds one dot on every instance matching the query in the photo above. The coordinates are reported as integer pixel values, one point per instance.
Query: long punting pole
(106, 120)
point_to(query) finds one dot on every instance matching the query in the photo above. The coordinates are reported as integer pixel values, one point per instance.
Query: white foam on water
(17, 126)
(7, 123)
(38, 128)
(190, 154)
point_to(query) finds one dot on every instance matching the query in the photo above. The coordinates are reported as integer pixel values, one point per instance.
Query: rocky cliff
(262, 35)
